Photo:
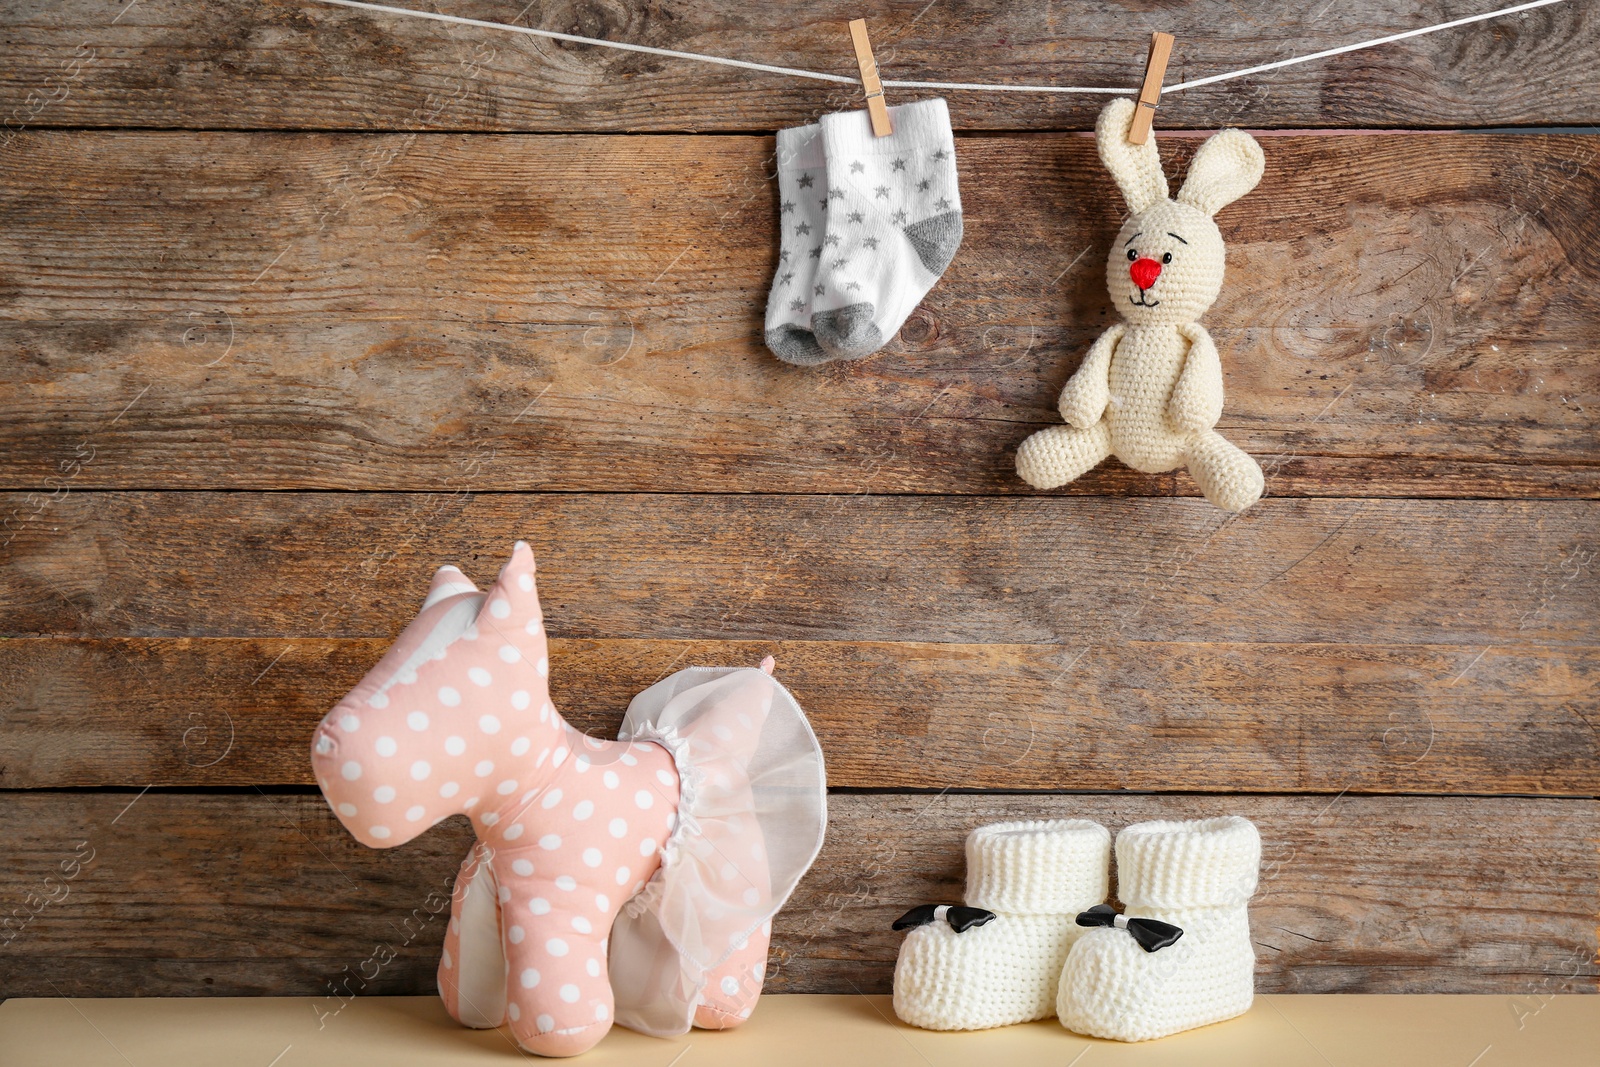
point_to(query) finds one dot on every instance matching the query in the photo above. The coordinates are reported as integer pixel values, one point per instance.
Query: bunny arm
(1196, 401)
(1084, 398)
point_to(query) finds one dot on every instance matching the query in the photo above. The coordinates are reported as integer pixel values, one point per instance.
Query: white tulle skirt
(751, 818)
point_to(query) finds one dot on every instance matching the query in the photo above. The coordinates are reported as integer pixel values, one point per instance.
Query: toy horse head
(431, 724)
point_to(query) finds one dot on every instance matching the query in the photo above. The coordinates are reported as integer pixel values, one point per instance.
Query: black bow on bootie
(960, 918)
(1153, 935)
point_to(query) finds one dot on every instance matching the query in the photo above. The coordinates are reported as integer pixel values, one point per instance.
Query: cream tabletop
(803, 1031)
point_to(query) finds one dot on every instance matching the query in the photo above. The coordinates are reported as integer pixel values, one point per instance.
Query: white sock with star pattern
(893, 224)
(803, 198)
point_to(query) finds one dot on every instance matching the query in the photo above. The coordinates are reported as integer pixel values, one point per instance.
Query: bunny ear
(1227, 166)
(1136, 168)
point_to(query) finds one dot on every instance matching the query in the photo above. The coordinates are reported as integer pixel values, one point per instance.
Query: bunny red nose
(1144, 272)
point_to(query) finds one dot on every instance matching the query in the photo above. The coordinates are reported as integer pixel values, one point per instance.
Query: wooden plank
(252, 894)
(1071, 571)
(418, 312)
(289, 64)
(1137, 715)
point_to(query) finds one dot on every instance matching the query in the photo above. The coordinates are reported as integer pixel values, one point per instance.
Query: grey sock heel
(936, 240)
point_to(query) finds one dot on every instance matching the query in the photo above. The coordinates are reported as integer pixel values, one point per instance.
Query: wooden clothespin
(1155, 71)
(876, 108)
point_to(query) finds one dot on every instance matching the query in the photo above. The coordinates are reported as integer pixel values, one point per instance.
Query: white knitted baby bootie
(1035, 877)
(1197, 876)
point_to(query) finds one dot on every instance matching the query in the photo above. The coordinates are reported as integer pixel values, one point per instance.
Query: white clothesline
(816, 75)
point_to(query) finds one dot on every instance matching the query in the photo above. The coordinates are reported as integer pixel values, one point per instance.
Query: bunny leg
(1226, 474)
(472, 968)
(559, 989)
(1057, 455)
(733, 987)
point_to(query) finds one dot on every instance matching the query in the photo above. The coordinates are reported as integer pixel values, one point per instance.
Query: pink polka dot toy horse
(632, 880)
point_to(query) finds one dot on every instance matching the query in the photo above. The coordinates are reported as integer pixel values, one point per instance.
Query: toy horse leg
(559, 982)
(472, 969)
(1055, 456)
(733, 988)
(1226, 474)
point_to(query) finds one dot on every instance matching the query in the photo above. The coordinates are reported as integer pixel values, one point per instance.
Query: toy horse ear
(1227, 166)
(512, 602)
(448, 581)
(1136, 168)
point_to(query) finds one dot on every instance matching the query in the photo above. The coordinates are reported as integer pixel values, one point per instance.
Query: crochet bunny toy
(1150, 389)
(633, 879)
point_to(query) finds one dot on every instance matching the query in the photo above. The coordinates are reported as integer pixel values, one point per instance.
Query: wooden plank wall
(298, 302)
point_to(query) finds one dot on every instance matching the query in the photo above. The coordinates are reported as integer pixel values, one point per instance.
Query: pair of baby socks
(1179, 957)
(868, 225)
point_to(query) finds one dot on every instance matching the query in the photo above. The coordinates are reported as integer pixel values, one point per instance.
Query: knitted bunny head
(1165, 267)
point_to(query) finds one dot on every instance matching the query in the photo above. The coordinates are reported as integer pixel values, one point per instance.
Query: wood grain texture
(189, 895)
(1073, 572)
(210, 310)
(1137, 715)
(487, 336)
(292, 65)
